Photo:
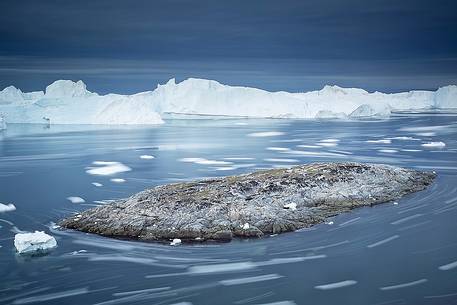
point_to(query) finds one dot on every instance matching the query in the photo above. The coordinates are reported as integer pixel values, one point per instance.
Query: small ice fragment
(327, 144)
(330, 222)
(389, 151)
(33, 242)
(97, 184)
(7, 207)
(291, 206)
(245, 226)
(107, 168)
(329, 140)
(75, 199)
(175, 242)
(117, 180)
(336, 285)
(278, 148)
(382, 141)
(448, 266)
(434, 144)
(395, 203)
(266, 134)
(146, 157)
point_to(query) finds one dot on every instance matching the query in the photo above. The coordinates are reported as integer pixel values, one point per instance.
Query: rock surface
(251, 205)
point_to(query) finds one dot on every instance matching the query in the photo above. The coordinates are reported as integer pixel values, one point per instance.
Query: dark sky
(130, 46)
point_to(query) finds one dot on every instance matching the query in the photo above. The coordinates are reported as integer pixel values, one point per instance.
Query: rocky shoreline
(249, 205)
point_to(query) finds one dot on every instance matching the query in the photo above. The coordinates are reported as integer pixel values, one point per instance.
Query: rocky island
(249, 205)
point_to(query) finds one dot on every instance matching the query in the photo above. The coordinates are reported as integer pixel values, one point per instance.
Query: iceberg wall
(68, 102)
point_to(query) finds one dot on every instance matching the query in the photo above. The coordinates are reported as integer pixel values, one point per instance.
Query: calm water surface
(395, 253)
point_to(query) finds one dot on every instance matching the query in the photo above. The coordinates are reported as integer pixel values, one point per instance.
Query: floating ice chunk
(203, 161)
(225, 168)
(403, 138)
(221, 268)
(247, 280)
(117, 180)
(175, 242)
(191, 160)
(382, 141)
(291, 206)
(266, 134)
(325, 144)
(389, 151)
(278, 148)
(434, 144)
(75, 199)
(330, 223)
(107, 168)
(97, 184)
(336, 285)
(34, 242)
(448, 266)
(329, 141)
(381, 242)
(7, 207)
(404, 285)
(146, 157)
(245, 226)
(281, 160)
(309, 146)
(212, 162)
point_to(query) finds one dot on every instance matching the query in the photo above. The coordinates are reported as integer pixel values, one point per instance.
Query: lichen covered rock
(250, 205)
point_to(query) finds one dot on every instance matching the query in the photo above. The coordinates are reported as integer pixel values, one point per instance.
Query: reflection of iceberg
(67, 102)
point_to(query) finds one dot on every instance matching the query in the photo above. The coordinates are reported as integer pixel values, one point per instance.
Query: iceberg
(34, 242)
(7, 207)
(68, 102)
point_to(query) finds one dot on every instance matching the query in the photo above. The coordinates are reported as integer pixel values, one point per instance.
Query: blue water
(394, 253)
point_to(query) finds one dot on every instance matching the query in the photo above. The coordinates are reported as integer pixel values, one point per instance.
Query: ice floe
(105, 168)
(97, 184)
(266, 134)
(448, 266)
(336, 285)
(75, 199)
(382, 141)
(434, 144)
(34, 242)
(7, 207)
(404, 285)
(147, 157)
(117, 180)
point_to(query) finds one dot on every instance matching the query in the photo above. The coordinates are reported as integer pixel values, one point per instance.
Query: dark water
(401, 253)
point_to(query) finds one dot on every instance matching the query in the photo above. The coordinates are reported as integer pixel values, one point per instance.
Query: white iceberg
(68, 102)
(434, 144)
(7, 207)
(34, 242)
